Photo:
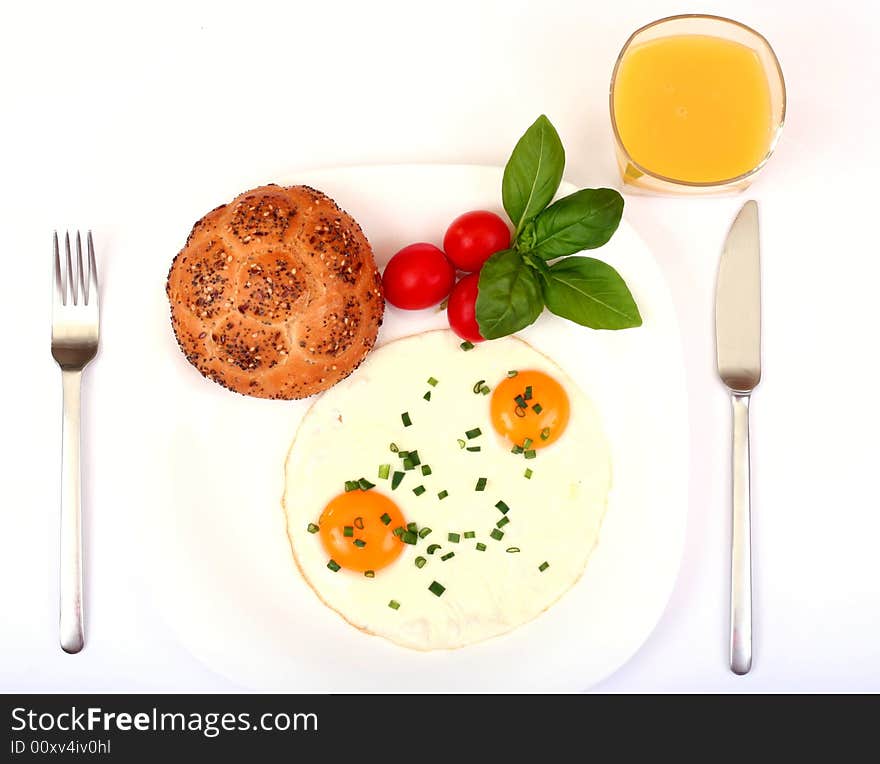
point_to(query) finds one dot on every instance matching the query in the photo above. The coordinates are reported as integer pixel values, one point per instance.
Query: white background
(111, 112)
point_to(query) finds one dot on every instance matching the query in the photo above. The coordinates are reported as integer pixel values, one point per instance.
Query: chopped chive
(409, 537)
(419, 490)
(360, 543)
(470, 534)
(461, 443)
(473, 449)
(351, 485)
(312, 528)
(403, 454)
(396, 478)
(503, 507)
(425, 532)
(386, 518)
(485, 390)
(481, 484)
(436, 588)
(503, 521)
(497, 534)
(481, 547)
(399, 531)
(516, 449)
(433, 548)
(454, 538)
(427, 395)
(406, 419)
(333, 565)
(447, 556)
(528, 395)
(466, 345)
(519, 411)
(537, 408)
(545, 433)
(432, 381)
(408, 464)
(528, 474)
(442, 495)
(359, 523)
(394, 605)
(475, 433)
(512, 549)
(478, 386)
(365, 485)
(520, 401)
(394, 448)
(512, 373)
(421, 562)
(412, 527)
(527, 443)
(384, 471)
(413, 456)
(348, 531)
(370, 573)
(543, 566)
(530, 453)
(426, 469)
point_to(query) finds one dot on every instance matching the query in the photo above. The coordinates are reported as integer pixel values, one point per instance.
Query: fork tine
(58, 297)
(93, 270)
(80, 273)
(71, 276)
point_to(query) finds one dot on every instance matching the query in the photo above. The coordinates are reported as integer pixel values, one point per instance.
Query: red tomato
(461, 310)
(417, 277)
(474, 237)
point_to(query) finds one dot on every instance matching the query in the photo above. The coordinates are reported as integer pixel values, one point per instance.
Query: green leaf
(591, 293)
(508, 296)
(533, 172)
(585, 219)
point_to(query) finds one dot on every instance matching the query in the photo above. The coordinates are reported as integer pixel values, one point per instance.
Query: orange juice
(693, 107)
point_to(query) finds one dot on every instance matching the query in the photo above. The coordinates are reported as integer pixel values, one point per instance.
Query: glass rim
(689, 183)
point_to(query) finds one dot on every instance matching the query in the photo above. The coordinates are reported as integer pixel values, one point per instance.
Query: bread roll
(276, 294)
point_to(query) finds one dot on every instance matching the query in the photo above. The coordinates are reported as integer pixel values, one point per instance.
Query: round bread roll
(276, 294)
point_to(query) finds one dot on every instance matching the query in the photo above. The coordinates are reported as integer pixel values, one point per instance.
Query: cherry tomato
(417, 277)
(461, 310)
(474, 237)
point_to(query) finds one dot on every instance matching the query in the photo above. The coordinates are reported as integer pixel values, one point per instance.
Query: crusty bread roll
(276, 294)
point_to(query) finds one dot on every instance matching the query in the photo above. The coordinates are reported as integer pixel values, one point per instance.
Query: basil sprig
(516, 284)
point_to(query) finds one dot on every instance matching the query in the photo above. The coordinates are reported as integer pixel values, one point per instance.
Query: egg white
(555, 516)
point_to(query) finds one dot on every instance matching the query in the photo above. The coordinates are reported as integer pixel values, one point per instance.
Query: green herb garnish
(360, 543)
(432, 381)
(481, 547)
(426, 469)
(432, 548)
(384, 471)
(475, 433)
(365, 485)
(420, 562)
(370, 573)
(419, 490)
(386, 518)
(454, 538)
(543, 566)
(312, 528)
(481, 484)
(442, 495)
(436, 588)
(470, 534)
(333, 565)
(516, 284)
(503, 507)
(528, 474)
(425, 532)
(503, 521)
(396, 479)
(497, 534)
(405, 418)
(348, 531)
(466, 345)
(447, 556)
(394, 605)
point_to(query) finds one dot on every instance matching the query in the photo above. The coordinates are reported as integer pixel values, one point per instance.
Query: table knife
(738, 343)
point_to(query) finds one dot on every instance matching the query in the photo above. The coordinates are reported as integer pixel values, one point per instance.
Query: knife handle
(741, 542)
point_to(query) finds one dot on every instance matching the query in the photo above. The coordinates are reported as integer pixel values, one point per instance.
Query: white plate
(225, 580)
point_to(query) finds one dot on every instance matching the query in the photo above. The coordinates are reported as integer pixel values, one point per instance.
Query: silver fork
(75, 330)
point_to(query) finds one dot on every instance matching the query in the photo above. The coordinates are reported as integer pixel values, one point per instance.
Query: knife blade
(738, 347)
(738, 304)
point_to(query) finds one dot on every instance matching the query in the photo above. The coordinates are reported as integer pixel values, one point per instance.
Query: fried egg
(442, 496)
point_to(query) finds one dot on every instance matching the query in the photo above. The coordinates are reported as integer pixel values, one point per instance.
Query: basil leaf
(585, 219)
(508, 296)
(533, 172)
(591, 293)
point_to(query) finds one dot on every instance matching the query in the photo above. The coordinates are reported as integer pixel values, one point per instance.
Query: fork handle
(71, 604)
(741, 542)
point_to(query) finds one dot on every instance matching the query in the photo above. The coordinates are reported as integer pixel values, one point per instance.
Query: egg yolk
(530, 409)
(357, 530)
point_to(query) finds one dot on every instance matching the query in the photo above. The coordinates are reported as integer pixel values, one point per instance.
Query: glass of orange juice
(697, 105)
